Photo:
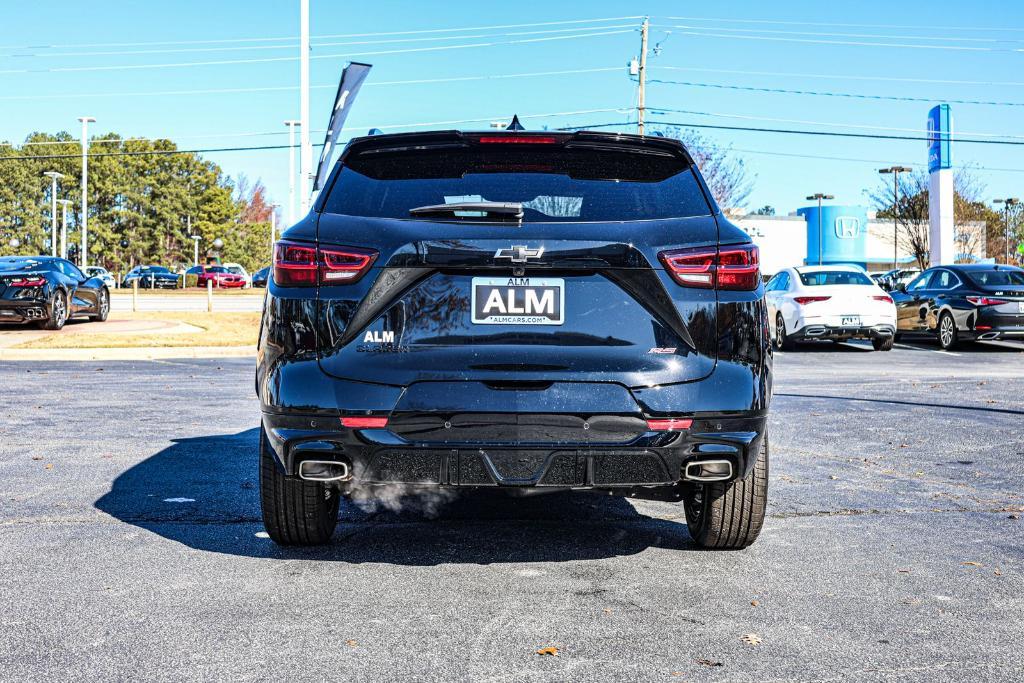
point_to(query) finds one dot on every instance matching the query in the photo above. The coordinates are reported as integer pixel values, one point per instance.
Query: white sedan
(829, 302)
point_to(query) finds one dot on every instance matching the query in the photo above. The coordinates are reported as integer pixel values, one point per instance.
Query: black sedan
(259, 278)
(962, 302)
(49, 291)
(151, 277)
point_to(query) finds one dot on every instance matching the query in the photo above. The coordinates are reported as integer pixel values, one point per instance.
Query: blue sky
(718, 44)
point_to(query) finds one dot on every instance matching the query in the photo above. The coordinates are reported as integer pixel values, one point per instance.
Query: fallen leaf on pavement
(708, 662)
(832, 476)
(998, 572)
(903, 571)
(971, 564)
(49, 465)
(37, 457)
(751, 638)
(553, 651)
(607, 610)
(754, 603)
(351, 643)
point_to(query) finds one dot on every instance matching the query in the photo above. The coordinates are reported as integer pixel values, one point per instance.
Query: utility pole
(195, 248)
(819, 196)
(83, 260)
(895, 170)
(53, 176)
(64, 203)
(306, 149)
(1007, 203)
(291, 169)
(642, 76)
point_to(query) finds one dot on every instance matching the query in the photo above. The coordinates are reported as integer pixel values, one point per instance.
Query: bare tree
(725, 175)
(912, 212)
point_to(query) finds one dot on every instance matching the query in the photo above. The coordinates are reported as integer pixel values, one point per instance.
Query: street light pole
(291, 169)
(1007, 203)
(53, 176)
(819, 196)
(84, 258)
(306, 149)
(273, 229)
(64, 203)
(895, 170)
(195, 249)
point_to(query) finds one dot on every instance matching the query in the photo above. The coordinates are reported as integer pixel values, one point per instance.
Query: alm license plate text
(518, 301)
(851, 321)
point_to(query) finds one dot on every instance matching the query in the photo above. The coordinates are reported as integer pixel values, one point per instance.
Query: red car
(218, 275)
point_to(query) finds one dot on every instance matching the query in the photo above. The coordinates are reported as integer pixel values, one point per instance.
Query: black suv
(516, 311)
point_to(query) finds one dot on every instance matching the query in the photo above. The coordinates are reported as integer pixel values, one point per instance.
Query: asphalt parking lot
(131, 544)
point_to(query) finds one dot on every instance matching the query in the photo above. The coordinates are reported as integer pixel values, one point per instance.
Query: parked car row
(228, 275)
(950, 304)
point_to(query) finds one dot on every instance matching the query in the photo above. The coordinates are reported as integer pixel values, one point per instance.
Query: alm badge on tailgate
(518, 301)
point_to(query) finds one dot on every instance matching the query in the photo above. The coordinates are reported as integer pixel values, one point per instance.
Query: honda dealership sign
(940, 193)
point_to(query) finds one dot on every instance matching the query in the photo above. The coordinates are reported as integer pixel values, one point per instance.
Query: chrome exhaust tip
(815, 331)
(708, 470)
(324, 470)
(988, 335)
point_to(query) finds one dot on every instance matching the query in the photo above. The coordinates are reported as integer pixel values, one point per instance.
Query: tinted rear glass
(834, 277)
(553, 184)
(16, 263)
(996, 278)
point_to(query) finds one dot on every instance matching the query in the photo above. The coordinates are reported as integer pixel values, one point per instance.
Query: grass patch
(218, 329)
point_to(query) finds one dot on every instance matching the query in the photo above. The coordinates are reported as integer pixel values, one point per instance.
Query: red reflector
(517, 140)
(672, 424)
(983, 327)
(364, 422)
(883, 297)
(804, 300)
(736, 268)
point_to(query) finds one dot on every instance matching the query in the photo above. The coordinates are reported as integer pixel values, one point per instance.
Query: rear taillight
(985, 301)
(364, 422)
(671, 424)
(883, 297)
(300, 265)
(735, 268)
(27, 282)
(804, 300)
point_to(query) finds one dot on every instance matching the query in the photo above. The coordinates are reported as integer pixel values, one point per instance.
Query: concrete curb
(143, 353)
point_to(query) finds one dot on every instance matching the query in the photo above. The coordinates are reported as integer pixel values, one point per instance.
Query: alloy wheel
(60, 309)
(780, 331)
(946, 331)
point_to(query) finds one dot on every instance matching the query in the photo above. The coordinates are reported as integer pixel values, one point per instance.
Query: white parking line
(918, 348)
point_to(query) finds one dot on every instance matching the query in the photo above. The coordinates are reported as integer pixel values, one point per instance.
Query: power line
(292, 88)
(828, 34)
(294, 46)
(842, 25)
(324, 36)
(855, 43)
(790, 74)
(266, 60)
(818, 93)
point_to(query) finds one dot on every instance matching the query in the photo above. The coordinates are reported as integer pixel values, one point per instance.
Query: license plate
(851, 321)
(518, 301)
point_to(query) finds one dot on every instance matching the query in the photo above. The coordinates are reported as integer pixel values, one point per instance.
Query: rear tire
(103, 304)
(883, 343)
(58, 312)
(948, 335)
(295, 512)
(729, 515)
(783, 342)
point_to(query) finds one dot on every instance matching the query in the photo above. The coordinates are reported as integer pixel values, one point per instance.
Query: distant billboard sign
(940, 134)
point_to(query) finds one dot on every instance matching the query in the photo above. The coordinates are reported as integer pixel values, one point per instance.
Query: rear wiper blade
(502, 210)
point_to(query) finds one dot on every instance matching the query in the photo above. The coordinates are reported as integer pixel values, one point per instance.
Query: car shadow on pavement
(203, 492)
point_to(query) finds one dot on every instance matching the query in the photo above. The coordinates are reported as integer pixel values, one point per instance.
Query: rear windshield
(12, 264)
(834, 277)
(555, 184)
(153, 269)
(996, 278)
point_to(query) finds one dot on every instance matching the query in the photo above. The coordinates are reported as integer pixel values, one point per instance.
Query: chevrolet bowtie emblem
(519, 253)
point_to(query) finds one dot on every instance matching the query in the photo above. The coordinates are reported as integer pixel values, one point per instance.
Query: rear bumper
(816, 331)
(23, 311)
(566, 440)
